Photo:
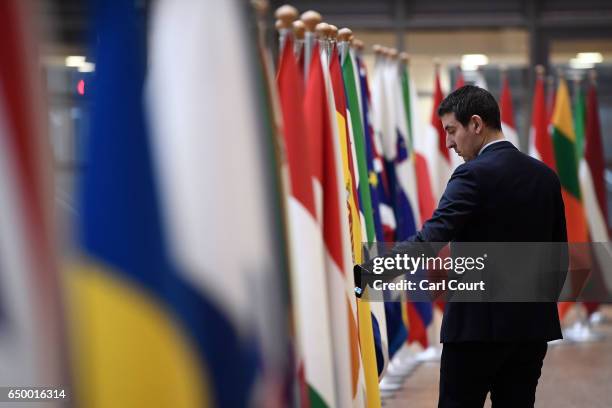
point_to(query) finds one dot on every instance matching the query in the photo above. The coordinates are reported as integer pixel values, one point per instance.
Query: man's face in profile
(465, 140)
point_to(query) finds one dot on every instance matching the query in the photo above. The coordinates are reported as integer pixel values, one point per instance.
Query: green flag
(579, 121)
(348, 74)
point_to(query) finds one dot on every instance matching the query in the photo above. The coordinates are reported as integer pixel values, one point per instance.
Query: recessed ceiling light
(75, 61)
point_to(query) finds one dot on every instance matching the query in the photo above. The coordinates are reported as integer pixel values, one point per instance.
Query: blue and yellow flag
(170, 304)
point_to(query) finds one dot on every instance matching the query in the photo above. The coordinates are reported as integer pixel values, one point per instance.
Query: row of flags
(223, 206)
(572, 145)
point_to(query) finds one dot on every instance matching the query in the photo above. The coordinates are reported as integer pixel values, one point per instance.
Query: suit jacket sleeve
(455, 210)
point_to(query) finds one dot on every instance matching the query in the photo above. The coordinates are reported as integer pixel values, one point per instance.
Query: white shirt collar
(490, 143)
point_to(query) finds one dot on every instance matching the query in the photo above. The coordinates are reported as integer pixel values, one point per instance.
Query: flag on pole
(460, 79)
(165, 301)
(425, 149)
(402, 163)
(309, 280)
(579, 120)
(320, 133)
(592, 180)
(366, 335)
(350, 77)
(345, 198)
(593, 167)
(373, 179)
(440, 160)
(564, 142)
(540, 140)
(374, 146)
(507, 113)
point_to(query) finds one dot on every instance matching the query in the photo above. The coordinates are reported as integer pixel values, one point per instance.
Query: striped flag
(31, 339)
(350, 77)
(339, 130)
(425, 148)
(540, 140)
(334, 218)
(439, 160)
(373, 179)
(309, 281)
(375, 157)
(592, 171)
(507, 113)
(592, 181)
(366, 335)
(564, 142)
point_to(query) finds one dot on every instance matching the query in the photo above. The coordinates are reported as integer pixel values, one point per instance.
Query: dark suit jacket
(502, 195)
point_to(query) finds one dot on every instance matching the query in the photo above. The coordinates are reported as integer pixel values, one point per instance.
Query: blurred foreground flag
(182, 249)
(30, 330)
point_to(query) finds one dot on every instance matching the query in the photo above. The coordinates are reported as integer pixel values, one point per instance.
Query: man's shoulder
(508, 160)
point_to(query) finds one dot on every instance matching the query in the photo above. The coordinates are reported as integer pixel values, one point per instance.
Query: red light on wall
(81, 87)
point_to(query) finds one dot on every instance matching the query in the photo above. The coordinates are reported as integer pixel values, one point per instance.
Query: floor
(575, 375)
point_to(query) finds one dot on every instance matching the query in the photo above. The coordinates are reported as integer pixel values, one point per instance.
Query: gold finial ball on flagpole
(344, 34)
(311, 18)
(286, 15)
(298, 29)
(560, 73)
(404, 57)
(334, 31)
(358, 44)
(260, 6)
(437, 63)
(323, 30)
(540, 70)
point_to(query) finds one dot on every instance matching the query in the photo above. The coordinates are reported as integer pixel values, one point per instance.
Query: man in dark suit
(498, 195)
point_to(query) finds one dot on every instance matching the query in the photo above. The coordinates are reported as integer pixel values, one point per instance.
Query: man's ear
(478, 123)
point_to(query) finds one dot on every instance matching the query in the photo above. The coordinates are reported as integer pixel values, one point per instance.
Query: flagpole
(298, 33)
(344, 35)
(333, 39)
(323, 32)
(404, 59)
(285, 15)
(540, 71)
(310, 18)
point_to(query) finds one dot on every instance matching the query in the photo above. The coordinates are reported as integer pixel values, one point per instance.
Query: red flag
(594, 157)
(460, 80)
(507, 113)
(540, 141)
(291, 97)
(594, 152)
(435, 120)
(506, 108)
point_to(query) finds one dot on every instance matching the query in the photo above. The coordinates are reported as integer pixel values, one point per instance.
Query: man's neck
(489, 138)
(492, 137)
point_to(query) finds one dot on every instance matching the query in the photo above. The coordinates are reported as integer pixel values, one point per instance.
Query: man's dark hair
(471, 100)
